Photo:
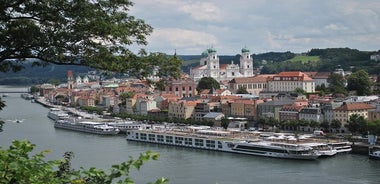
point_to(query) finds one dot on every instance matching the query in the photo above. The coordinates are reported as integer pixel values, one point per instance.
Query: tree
(242, 90)
(356, 124)
(225, 122)
(325, 125)
(359, 81)
(18, 165)
(300, 91)
(207, 83)
(93, 33)
(374, 127)
(314, 124)
(125, 95)
(335, 124)
(337, 83)
(34, 89)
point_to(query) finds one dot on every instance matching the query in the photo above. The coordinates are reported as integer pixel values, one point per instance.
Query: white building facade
(209, 66)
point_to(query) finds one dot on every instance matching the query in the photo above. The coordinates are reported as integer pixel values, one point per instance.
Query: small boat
(341, 147)
(374, 154)
(322, 148)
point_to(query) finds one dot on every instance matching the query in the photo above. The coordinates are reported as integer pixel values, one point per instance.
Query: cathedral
(209, 67)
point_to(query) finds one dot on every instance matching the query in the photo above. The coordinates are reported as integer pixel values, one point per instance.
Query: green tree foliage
(274, 56)
(360, 82)
(300, 91)
(207, 83)
(343, 57)
(325, 125)
(242, 90)
(18, 165)
(92, 109)
(125, 95)
(33, 89)
(314, 124)
(93, 33)
(357, 124)
(69, 32)
(374, 127)
(337, 83)
(335, 124)
(225, 122)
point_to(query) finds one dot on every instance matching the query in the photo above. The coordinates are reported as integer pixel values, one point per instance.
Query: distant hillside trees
(337, 84)
(359, 82)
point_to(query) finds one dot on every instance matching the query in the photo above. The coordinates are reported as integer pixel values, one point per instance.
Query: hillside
(272, 62)
(38, 74)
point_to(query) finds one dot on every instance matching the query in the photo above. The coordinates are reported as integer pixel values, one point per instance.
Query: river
(179, 165)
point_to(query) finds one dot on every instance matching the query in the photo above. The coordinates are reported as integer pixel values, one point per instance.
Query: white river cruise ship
(223, 141)
(86, 126)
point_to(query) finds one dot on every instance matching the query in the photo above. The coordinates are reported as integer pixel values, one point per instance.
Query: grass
(305, 59)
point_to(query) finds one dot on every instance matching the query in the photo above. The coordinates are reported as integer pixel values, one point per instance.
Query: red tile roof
(354, 106)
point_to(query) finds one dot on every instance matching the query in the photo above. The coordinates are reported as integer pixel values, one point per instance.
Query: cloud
(297, 25)
(181, 39)
(335, 27)
(202, 11)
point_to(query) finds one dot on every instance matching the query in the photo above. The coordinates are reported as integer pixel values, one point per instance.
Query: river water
(180, 165)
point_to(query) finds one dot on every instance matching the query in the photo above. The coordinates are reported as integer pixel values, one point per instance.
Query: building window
(233, 73)
(176, 89)
(183, 88)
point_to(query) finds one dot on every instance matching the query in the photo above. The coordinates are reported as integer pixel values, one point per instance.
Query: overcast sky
(192, 26)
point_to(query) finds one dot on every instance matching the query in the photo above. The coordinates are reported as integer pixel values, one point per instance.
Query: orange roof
(294, 74)
(354, 106)
(244, 101)
(255, 79)
(223, 66)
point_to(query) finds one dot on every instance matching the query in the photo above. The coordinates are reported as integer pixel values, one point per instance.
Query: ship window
(210, 143)
(143, 136)
(169, 139)
(178, 140)
(219, 144)
(188, 141)
(152, 137)
(160, 138)
(199, 142)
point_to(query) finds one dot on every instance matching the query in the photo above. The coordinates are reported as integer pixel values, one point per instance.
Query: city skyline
(190, 27)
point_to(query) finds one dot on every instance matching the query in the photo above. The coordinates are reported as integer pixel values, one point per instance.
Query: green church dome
(211, 50)
(205, 53)
(244, 50)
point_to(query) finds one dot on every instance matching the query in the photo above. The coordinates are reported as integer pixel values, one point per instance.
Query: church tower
(246, 63)
(70, 79)
(213, 63)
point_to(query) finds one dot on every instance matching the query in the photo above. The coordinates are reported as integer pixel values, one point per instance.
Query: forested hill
(272, 62)
(38, 74)
(315, 60)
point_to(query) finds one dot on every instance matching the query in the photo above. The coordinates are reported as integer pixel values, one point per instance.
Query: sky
(189, 27)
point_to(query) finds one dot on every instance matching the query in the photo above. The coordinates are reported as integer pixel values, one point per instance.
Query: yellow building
(182, 109)
(344, 112)
(254, 85)
(290, 81)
